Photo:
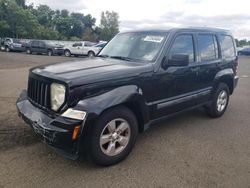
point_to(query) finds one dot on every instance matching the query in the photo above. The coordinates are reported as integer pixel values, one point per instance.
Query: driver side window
(183, 45)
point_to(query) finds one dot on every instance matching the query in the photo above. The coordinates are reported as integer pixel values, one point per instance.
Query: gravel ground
(190, 150)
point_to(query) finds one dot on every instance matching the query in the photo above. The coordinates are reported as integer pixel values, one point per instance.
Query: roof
(188, 29)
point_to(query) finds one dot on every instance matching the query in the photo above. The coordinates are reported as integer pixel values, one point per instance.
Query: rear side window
(208, 47)
(227, 46)
(183, 44)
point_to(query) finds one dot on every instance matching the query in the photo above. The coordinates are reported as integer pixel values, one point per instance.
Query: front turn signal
(75, 132)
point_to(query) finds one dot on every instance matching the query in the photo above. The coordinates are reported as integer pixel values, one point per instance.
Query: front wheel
(91, 54)
(113, 136)
(67, 53)
(7, 49)
(28, 51)
(219, 101)
(49, 53)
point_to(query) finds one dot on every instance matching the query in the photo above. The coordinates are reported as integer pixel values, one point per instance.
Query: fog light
(75, 132)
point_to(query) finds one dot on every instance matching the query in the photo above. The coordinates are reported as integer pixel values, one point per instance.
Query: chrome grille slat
(38, 92)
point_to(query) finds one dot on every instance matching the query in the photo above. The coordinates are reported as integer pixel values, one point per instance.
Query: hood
(88, 71)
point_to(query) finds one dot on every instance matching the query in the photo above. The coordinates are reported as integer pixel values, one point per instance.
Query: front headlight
(57, 95)
(74, 114)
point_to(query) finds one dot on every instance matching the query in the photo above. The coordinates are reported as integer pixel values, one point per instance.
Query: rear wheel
(113, 136)
(67, 53)
(219, 102)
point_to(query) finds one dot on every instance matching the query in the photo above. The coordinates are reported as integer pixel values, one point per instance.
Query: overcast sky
(137, 14)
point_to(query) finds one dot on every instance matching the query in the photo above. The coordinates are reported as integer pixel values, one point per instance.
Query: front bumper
(54, 130)
(236, 79)
(17, 49)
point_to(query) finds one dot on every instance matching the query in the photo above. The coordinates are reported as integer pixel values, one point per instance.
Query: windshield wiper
(122, 58)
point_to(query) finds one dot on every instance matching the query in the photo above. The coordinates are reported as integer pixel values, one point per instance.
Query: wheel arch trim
(226, 76)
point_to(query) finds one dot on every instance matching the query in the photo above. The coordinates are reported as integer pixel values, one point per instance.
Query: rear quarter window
(227, 46)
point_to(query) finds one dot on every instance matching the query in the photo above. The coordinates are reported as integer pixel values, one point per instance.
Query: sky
(140, 14)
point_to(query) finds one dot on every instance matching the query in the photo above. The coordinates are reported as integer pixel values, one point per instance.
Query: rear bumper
(55, 131)
(58, 51)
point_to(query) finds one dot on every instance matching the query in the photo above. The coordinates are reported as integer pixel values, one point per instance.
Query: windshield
(135, 46)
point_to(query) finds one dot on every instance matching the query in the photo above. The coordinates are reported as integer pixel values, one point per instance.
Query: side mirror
(176, 60)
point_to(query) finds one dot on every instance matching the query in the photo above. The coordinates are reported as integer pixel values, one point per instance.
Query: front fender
(95, 105)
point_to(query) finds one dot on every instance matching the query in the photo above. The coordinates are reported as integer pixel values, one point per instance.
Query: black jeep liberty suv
(99, 105)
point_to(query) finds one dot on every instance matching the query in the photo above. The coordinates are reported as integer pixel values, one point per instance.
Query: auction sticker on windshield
(151, 38)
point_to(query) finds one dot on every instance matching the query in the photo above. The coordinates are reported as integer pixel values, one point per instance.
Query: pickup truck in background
(15, 45)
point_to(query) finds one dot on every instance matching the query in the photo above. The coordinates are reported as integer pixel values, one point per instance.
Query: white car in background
(83, 48)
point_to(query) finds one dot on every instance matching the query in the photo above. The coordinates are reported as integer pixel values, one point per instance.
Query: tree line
(19, 20)
(243, 42)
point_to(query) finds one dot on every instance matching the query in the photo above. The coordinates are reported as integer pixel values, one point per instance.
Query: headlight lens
(74, 114)
(57, 95)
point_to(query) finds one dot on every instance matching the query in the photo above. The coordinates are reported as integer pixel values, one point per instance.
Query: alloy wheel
(222, 101)
(115, 137)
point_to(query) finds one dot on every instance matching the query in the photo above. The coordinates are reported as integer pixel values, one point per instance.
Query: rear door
(210, 61)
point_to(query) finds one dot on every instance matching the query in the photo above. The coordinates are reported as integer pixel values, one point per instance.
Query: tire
(91, 54)
(7, 49)
(220, 101)
(102, 154)
(50, 53)
(28, 51)
(67, 53)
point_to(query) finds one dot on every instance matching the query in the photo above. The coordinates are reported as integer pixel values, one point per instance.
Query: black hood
(88, 71)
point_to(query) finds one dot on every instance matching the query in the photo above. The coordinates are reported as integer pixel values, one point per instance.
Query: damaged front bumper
(54, 130)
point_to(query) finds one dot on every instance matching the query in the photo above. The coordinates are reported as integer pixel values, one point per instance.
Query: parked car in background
(82, 48)
(15, 45)
(94, 50)
(244, 51)
(2, 44)
(44, 47)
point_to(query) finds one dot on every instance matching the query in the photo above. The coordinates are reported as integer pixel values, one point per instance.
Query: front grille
(39, 92)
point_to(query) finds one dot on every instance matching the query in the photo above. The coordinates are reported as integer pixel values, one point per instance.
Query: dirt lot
(190, 150)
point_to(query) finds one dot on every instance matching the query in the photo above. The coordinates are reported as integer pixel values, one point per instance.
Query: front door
(77, 49)
(35, 46)
(42, 47)
(176, 85)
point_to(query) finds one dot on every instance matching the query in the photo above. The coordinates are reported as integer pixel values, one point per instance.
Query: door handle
(194, 69)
